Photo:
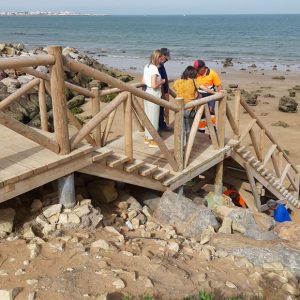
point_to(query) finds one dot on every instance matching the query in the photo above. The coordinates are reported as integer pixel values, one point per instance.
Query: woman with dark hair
(186, 88)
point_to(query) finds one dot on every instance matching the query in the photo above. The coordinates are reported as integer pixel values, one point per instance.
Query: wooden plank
(253, 186)
(26, 61)
(43, 106)
(50, 175)
(115, 161)
(128, 127)
(248, 198)
(237, 108)
(275, 164)
(179, 134)
(160, 173)
(262, 140)
(108, 125)
(211, 128)
(123, 176)
(269, 153)
(147, 169)
(101, 154)
(133, 166)
(95, 111)
(231, 120)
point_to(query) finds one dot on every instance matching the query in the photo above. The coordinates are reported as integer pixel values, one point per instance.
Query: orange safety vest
(241, 200)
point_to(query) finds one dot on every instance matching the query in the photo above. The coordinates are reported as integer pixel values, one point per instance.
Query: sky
(156, 7)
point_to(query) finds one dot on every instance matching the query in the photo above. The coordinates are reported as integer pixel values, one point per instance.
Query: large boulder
(76, 101)
(102, 191)
(7, 216)
(188, 218)
(288, 104)
(12, 84)
(244, 222)
(289, 231)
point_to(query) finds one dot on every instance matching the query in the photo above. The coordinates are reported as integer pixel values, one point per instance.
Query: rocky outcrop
(287, 104)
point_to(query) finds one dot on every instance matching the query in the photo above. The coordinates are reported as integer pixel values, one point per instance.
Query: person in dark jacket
(281, 214)
(164, 90)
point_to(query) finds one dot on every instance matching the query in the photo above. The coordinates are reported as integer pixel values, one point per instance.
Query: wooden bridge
(31, 157)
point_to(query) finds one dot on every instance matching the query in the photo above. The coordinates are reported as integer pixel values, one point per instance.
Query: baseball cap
(271, 203)
(199, 64)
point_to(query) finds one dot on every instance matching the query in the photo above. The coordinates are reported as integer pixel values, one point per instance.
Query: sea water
(127, 41)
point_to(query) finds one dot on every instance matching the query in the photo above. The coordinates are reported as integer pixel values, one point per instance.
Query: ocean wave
(26, 33)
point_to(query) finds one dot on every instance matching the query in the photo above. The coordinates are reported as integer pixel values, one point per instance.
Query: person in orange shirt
(236, 198)
(208, 78)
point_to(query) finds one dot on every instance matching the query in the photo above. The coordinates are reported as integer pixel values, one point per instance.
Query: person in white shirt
(153, 83)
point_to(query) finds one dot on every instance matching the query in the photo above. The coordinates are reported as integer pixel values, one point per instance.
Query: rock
(130, 200)
(51, 210)
(9, 294)
(34, 250)
(276, 277)
(206, 234)
(36, 205)
(103, 190)
(76, 101)
(42, 220)
(20, 272)
(264, 221)
(102, 244)
(278, 77)
(73, 218)
(253, 66)
(135, 223)
(226, 226)
(132, 214)
(173, 246)
(274, 266)
(146, 281)
(63, 219)
(142, 218)
(3, 88)
(54, 219)
(280, 124)
(289, 231)
(102, 297)
(292, 94)
(57, 246)
(287, 104)
(3, 273)
(250, 98)
(291, 289)
(32, 281)
(188, 218)
(269, 96)
(233, 86)
(230, 285)
(28, 234)
(228, 62)
(296, 88)
(42, 69)
(12, 84)
(114, 231)
(31, 296)
(24, 79)
(7, 216)
(119, 284)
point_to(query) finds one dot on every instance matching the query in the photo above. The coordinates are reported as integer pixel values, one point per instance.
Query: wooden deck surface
(25, 165)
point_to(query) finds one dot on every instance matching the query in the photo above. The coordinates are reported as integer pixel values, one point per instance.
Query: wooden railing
(269, 158)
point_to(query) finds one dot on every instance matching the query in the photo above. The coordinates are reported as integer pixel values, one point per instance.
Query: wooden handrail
(216, 97)
(73, 87)
(267, 132)
(29, 132)
(26, 61)
(43, 106)
(90, 72)
(19, 93)
(97, 119)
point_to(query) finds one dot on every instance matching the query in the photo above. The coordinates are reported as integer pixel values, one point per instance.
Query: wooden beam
(88, 127)
(128, 143)
(108, 125)
(211, 128)
(46, 77)
(179, 133)
(237, 112)
(137, 122)
(231, 120)
(284, 172)
(18, 93)
(253, 186)
(255, 145)
(246, 131)
(133, 166)
(269, 154)
(248, 198)
(193, 132)
(262, 140)
(75, 122)
(43, 106)
(163, 148)
(275, 164)
(88, 71)
(59, 100)
(95, 111)
(269, 135)
(26, 61)
(216, 97)
(101, 153)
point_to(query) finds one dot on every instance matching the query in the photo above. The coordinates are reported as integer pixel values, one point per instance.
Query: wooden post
(95, 110)
(255, 145)
(128, 127)
(59, 101)
(66, 186)
(253, 186)
(179, 133)
(221, 139)
(43, 106)
(108, 125)
(237, 109)
(262, 137)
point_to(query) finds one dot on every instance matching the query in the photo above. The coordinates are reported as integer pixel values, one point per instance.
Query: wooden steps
(269, 176)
